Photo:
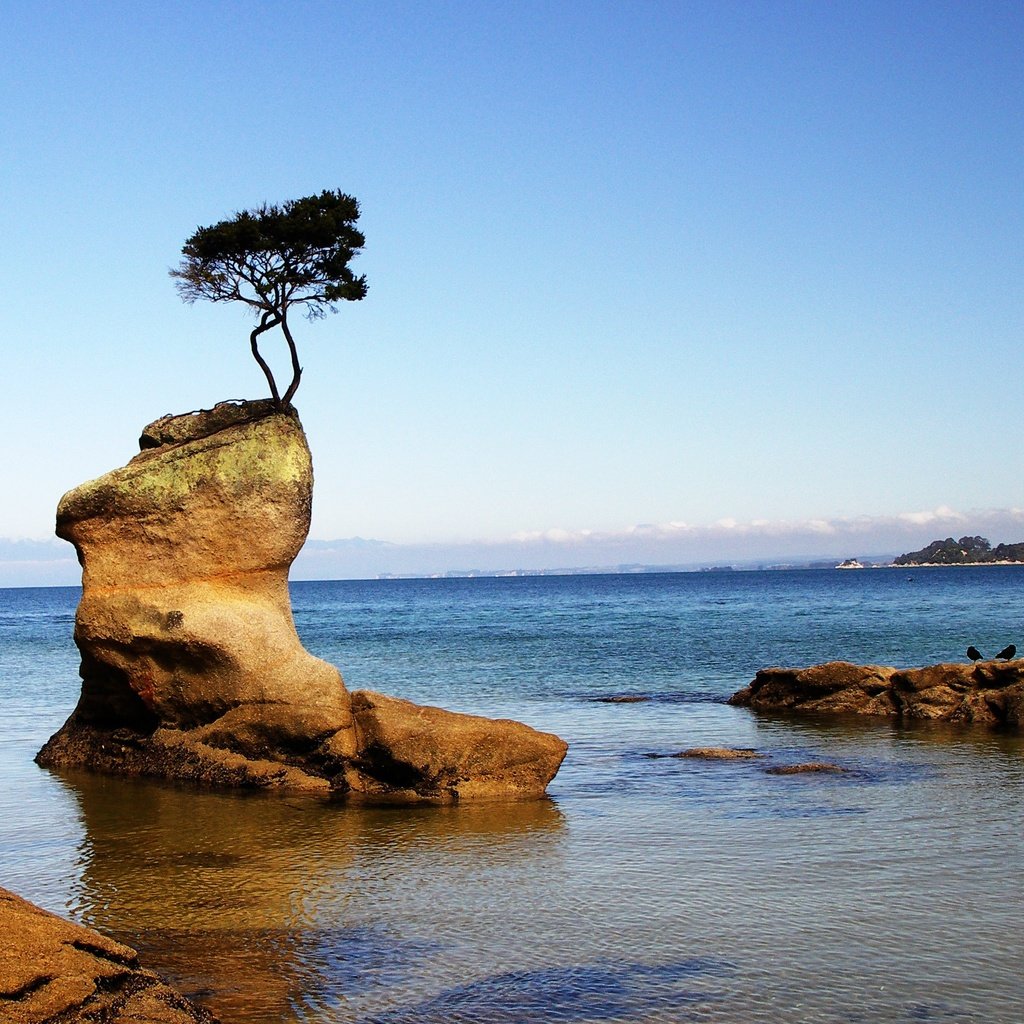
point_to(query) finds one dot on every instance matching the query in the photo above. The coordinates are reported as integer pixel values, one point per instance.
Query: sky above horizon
(669, 267)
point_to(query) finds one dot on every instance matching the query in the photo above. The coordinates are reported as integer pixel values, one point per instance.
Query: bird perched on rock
(974, 654)
(1008, 652)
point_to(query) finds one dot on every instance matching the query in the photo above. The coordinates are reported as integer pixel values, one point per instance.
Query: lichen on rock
(191, 665)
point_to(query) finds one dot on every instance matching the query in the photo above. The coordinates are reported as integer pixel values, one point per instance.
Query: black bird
(975, 655)
(1008, 652)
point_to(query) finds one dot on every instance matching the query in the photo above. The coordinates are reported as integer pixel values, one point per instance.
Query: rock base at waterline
(986, 693)
(398, 752)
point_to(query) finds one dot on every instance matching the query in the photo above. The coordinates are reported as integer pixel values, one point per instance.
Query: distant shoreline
(945, 565)
(928, 565)
(817, 565)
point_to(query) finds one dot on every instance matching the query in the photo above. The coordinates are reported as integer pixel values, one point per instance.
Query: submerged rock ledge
(986, 693)
(191, 666)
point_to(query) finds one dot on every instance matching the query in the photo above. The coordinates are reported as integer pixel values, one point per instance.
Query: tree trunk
(296, 369)
(267, 321)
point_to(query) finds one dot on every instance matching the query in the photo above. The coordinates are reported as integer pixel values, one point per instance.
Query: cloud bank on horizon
(671, 545)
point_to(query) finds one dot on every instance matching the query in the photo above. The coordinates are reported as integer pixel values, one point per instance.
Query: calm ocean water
(645, 890)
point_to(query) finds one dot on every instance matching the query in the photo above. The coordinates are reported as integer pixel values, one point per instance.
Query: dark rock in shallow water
(807, 768)
(720, 753)
(987, 693)
(191, 666)
(624, 698)
(52, 970)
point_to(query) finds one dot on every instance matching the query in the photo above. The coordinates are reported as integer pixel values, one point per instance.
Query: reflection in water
(886, 894)
(258, 906)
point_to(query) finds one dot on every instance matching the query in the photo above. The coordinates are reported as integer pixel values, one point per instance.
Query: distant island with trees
(965, 551)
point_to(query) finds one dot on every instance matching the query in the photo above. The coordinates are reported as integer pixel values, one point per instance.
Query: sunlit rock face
(191, 665)
(407, 749)
(986, 693)
(53, 970)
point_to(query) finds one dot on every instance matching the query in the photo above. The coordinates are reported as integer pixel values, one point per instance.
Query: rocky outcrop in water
(720, 754)
(987, 693)
(405, 749)
(191, 665)
(54, 971)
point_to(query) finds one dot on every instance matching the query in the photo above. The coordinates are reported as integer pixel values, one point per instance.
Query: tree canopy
(274, 258)
(964, 550)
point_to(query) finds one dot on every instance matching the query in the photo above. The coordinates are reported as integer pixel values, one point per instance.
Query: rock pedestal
(987, 693)
(191, 665)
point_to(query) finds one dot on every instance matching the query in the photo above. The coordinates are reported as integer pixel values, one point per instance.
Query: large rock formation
(191, 665)
(988, 692)
(52, 970)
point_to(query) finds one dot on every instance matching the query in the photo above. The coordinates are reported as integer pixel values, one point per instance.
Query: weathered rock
(191, 665)
(185, 623)
(407, 749)
(52, 970)
(176, 428)
(987, 692)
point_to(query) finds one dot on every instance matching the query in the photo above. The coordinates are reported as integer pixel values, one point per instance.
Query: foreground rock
(191, 665)
(52, 970)
(988, 692)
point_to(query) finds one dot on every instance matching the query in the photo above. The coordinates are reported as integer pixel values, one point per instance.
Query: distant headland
(965, 551)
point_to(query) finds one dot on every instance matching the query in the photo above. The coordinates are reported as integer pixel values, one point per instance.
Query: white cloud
(943, 514)
(821, 526)
(729, 539)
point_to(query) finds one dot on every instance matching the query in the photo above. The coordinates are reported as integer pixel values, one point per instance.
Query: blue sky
(688, 267)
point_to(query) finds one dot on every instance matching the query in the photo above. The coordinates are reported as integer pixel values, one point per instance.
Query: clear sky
(631, 264)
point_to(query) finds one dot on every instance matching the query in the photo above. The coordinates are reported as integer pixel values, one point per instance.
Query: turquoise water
(644, 890)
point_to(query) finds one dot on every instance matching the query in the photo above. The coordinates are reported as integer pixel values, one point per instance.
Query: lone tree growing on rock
(273, 258)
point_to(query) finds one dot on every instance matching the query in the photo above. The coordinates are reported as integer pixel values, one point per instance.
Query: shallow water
(645, 890)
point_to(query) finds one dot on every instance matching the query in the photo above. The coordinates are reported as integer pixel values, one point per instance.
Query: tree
(273, 258)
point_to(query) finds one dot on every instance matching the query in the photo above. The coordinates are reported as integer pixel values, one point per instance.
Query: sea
(645, 888)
